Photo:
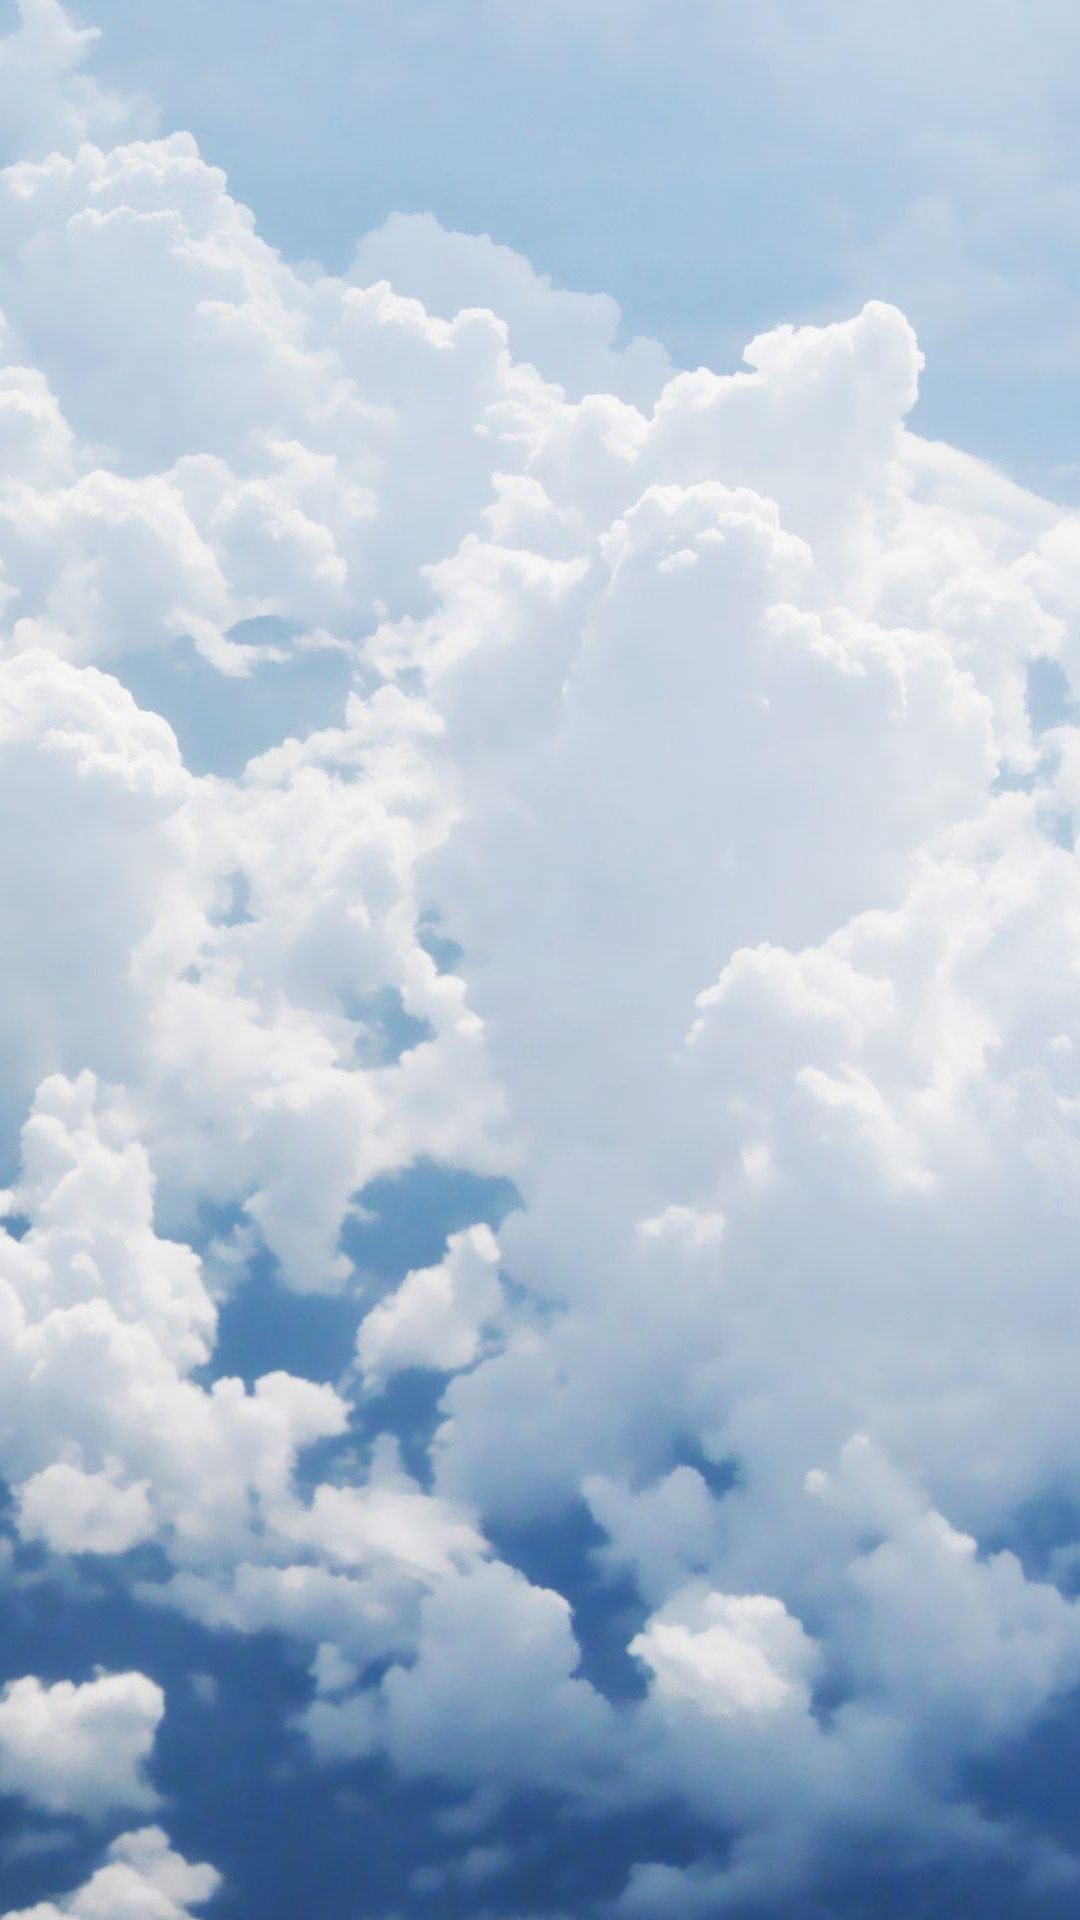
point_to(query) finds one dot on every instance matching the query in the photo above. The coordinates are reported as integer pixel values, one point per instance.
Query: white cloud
(345, 1573)
(569, 337)
(142, 1879)
(491, 1696)
(972, 1649)
(437, 1316)
(727, 1655)
(701, 728)
(46, 101)
(80, 1749)
(104, 1435)
(78, 1512)
(662, 1533)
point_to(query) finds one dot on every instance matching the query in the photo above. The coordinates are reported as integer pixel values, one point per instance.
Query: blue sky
(539, 1007)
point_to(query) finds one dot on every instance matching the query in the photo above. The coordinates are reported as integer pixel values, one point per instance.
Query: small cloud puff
(437, 1317)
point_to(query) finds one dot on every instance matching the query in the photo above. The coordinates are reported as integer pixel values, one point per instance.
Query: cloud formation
(667, 831)
(46, 100)
(142, 1879)
(80, 1749)
(438, 1315)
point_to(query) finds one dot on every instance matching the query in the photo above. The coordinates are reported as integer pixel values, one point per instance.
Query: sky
(719, 169)
(539, 1008)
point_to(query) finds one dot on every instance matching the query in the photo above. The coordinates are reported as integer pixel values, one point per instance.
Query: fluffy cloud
(80, 1749)
(142, 1879)
(79, 1512)
(631, 792)
(46, 101)
(492, 1695)
(569, 337)
(104, 1434)
(973, 1649)
(728, 1656)
(438, 1314)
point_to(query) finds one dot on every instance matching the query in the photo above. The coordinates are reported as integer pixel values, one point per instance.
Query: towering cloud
(633, 794)
(142, 1879)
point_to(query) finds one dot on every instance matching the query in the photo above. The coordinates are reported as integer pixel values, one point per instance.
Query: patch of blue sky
(222, 721)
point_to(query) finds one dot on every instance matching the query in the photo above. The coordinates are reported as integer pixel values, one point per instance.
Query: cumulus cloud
(438, 1314)
(79, 1512)
(570, 337)
(104, 1434)
(492, 1695)
(80, 1749)
(672, 836)
(973, 1648)
(46, 100)
(143, 1878)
